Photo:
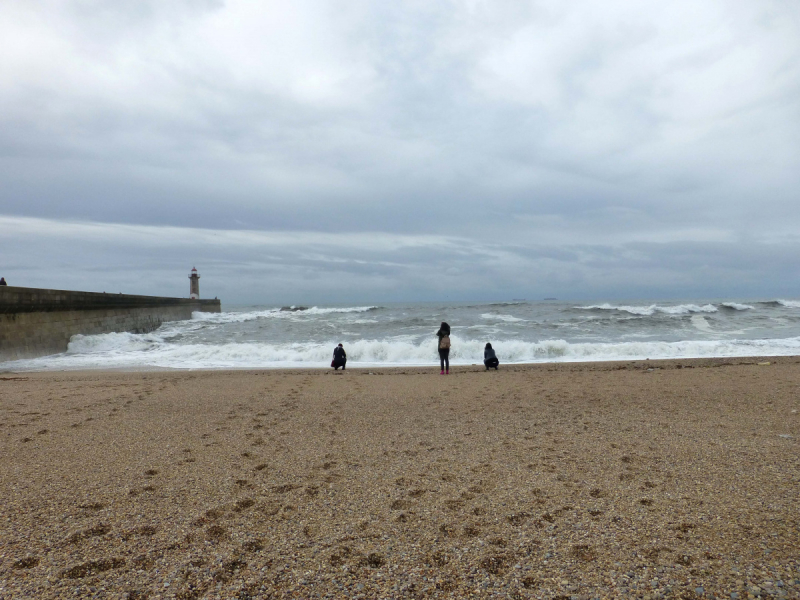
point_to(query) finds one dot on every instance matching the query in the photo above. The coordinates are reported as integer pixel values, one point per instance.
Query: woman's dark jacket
(339, 355)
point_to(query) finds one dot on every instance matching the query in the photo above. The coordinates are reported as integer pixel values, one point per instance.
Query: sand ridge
(639, 479)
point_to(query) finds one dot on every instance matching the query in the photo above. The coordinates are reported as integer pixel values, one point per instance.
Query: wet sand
(638, 479)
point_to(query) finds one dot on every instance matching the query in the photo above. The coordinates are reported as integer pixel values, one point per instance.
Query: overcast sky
(360, 151)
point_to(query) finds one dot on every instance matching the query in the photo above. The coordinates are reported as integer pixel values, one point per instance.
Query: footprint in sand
(255, 545)
(244, 504)
(92, 567)
(26, 563)
(84, 534)
(216, 532)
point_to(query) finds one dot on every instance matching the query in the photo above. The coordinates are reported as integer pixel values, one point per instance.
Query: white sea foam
(239, 317)
(314, 310)
(274, 313)
(683, 309)
(126, 350)
(646, 311)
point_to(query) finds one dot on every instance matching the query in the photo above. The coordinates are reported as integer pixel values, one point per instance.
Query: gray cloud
(525, 146)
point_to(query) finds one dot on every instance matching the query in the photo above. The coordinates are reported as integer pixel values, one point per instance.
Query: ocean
(404, 335)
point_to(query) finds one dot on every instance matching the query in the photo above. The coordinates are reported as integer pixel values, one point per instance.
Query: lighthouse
(194, 285)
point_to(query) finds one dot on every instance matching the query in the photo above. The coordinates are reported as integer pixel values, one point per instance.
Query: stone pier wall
(37, 322)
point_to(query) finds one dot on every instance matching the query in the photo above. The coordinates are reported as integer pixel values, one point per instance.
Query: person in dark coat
(444, 348)
(3, 281)
(489, 357)
(339, 358)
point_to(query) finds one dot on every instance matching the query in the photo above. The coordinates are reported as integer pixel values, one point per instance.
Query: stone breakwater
(37, 322)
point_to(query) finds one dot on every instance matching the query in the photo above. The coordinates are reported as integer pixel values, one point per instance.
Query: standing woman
(444, 348)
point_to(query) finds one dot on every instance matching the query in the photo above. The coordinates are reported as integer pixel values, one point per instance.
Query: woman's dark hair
(488, 346)
(444, 326)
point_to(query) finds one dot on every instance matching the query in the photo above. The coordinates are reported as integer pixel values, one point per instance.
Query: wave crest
(737, 306)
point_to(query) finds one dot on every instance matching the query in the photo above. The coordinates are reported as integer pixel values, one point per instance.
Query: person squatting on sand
(489, 357)
(339, 358)
(444, 348)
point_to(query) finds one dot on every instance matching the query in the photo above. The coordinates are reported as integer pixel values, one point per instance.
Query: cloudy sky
(356, 150)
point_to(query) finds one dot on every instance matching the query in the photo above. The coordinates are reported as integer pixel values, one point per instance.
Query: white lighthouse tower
(194, 285)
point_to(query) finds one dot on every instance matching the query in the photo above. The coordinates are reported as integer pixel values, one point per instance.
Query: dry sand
(645, 479)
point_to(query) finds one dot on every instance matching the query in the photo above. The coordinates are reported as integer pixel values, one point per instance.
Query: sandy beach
(646, 479)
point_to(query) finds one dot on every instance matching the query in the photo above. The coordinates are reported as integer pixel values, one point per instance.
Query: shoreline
(644, 362)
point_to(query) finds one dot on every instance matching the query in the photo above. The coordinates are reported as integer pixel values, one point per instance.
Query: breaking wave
(126, 350)
(647, 311)
(779, 303)
(737, 306)
(789, 303)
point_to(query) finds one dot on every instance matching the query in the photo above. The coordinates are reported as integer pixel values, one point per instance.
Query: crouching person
(339, 358)
(490, 358)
